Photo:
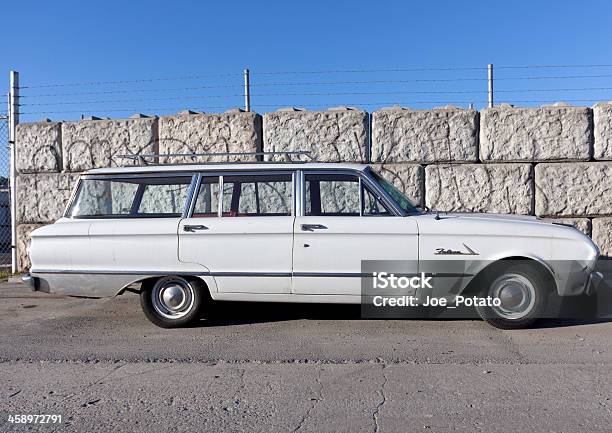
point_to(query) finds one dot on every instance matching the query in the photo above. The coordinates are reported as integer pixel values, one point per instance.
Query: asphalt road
(298, 368)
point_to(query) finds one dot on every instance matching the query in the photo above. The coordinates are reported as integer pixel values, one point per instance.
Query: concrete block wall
(553, 161)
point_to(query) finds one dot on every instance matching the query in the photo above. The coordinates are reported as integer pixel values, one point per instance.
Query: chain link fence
(5, 202)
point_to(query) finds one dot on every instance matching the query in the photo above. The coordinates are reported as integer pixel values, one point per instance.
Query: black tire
(527, 280)
(157, 297)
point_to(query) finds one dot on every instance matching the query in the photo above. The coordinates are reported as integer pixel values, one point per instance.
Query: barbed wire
(343, 103)
(127, 110)
(330, 71)
(108, 92)
(422, 92)
(142, 80)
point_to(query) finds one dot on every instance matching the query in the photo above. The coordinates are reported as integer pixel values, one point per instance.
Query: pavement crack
(315, 401)
(383, 400)
(106, 376)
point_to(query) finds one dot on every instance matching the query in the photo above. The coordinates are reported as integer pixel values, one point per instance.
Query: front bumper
(594, 283)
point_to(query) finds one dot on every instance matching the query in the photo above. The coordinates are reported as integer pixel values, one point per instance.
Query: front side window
(340, 195)
(130, 197)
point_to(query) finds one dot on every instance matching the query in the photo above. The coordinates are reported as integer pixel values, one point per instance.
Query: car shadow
(246, 313)
(565, 323)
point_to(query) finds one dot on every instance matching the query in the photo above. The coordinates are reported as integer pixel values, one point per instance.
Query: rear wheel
(522, 293)
(173, 301)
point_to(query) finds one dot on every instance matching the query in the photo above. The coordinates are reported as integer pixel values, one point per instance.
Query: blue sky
(207, 44)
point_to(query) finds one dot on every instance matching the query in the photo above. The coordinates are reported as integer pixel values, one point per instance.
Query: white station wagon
(182, 235)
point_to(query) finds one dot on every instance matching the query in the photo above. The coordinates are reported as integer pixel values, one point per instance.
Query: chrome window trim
(299, 194)
(192, 195)
(72, 197)
(220, 204)
(360, 197)
(139, 175)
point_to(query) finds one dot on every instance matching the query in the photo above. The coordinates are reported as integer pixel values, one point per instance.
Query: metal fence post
(247, 91)
(490, 83)
(13, 121)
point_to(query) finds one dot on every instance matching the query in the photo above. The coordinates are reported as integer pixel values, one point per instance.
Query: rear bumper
(32, 282)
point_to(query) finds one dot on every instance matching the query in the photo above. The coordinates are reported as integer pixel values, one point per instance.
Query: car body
(280, 232)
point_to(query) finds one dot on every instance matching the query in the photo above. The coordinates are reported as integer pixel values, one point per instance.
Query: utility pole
(13, 113)
(490, 83)
(247, 91)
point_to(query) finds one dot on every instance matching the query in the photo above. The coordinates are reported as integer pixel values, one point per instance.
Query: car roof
(254, 166)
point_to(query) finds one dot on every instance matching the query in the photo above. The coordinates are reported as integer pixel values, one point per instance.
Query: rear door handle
(312, 227)
(194, 228)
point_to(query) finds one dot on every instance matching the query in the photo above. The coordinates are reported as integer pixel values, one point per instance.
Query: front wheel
(172, 301)
(522, 294)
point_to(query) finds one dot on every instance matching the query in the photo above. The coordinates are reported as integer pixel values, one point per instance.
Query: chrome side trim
(111, 272)
(369, 274)
(245, 274)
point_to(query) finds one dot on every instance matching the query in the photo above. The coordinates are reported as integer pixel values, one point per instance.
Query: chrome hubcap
(516, 294)
(172, 297)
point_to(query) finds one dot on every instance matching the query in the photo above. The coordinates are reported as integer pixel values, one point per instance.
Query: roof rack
(143, 159)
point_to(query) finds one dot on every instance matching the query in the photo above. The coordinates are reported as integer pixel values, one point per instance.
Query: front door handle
(312, 227)
(194, 228)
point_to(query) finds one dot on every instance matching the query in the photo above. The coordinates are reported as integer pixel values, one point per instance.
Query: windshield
(400, 199)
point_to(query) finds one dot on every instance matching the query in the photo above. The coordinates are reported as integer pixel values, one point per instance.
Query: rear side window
(130, 197)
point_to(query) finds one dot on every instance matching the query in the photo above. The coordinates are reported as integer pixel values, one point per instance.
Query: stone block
(38, 147)
(42, 198)
(330, 136)
(496, 188)
(425, 136)
(556, 132)
(573, 189)
(210, 133)
(100, 143)
(602, 235)
(23, 242)
(602, 130)
(408, 178)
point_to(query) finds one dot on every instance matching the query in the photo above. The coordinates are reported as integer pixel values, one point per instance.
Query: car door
(241, 230)
(344, 221)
